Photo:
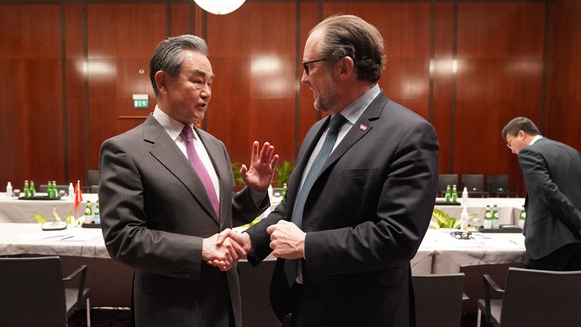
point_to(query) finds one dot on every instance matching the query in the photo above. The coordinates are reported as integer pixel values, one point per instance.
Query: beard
(326, 101)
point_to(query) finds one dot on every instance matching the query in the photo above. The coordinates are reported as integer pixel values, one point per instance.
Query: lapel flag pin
(362, 127)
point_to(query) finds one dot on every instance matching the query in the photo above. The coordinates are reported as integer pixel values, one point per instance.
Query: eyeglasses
(306, 63)
(508, 143)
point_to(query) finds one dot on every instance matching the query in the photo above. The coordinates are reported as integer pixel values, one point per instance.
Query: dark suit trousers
(566, 258)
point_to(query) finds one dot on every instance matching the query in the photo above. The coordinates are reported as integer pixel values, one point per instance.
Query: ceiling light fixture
(219, 7)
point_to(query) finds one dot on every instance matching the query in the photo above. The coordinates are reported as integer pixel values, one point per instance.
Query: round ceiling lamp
(219, 7)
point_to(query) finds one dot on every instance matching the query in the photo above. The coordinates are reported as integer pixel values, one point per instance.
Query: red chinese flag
(78, 196)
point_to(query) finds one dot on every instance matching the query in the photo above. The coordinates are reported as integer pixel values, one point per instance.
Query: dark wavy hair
(351, 36)
(520, 124)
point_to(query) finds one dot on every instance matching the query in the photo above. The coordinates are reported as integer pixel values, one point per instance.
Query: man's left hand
(286, 240)
(262, 167)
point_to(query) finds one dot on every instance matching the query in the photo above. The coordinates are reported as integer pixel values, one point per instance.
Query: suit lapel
(165, 151)
(361, 127)
(296, 175)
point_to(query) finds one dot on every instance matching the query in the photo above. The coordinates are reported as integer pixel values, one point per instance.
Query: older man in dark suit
(552, 173)
(347, 233)
(166, 191)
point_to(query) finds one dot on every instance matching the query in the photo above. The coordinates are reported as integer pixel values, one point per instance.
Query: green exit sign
(140, 101)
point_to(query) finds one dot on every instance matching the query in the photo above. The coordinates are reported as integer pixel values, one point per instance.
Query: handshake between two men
(286, 239)
(225, 249)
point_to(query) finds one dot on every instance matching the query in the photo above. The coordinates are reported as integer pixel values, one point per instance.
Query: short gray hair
(168, 56)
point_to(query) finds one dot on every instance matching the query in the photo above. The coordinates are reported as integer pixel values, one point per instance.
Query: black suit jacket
(552, 173)
(365, 218)
(155, 213)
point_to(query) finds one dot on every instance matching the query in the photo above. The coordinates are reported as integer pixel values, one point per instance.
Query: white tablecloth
(14, 210)
(23, 238)
(508, 208)
(438, 253)
(451, 253)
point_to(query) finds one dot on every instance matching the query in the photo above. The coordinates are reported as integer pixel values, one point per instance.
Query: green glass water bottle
(522, 217)
(26, 189)
(32, 190)
(495, 219)
(55, 191)
(283, 193)
(49, 190)
(97, 214)
(487, 218)
(448, 194)
(454, 194)
(88, 213)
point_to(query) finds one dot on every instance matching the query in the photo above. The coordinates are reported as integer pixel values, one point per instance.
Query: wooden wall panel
(501, 30)
(441, 75)
(95, 62)
(310, 15)
(73, 132)
(31, 94)
(500, 75)
(121, 39)
(10, 21)
(405, 27)
(253, 93)
(564, 73)
(183, 20)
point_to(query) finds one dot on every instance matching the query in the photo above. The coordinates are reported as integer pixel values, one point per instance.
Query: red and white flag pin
(363, 127)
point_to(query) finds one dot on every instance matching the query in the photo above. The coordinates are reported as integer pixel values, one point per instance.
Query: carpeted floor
(102, 317)
(119, 317)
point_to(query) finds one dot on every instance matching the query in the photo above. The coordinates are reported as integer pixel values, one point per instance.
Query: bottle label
(487, 224)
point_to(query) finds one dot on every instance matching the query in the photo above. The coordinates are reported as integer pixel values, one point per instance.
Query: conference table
(110, 281)
(438, 253)
(508, 208)
(21, 210)
(449, 253)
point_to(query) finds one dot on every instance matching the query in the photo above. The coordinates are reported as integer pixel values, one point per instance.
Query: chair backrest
(473, 182)
(438, 299)
(445, 180)
(32, 292)
(541, 298)
(92, 177)
(497, 183)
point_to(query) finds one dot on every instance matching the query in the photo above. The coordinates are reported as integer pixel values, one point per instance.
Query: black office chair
(499, 186)
(474, 183)
(532, 298)
(447, 179)
(438, 299)
(92, 177)
(33, 292)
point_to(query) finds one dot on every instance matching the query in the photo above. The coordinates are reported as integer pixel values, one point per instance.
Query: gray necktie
(297, 216)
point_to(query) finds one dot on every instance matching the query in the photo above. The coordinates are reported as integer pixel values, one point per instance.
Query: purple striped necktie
(188, 133)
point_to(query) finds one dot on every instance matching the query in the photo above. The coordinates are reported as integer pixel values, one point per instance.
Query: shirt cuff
(258, 197)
